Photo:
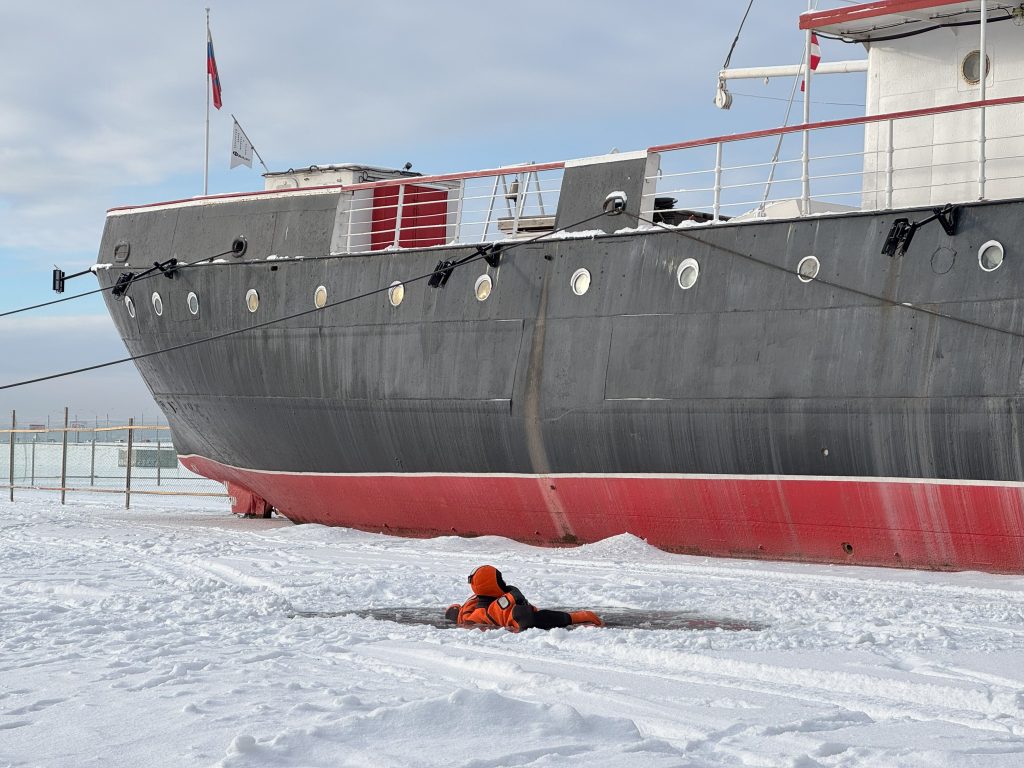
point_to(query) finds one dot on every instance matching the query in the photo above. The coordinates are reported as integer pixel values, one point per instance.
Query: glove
(452, 612)
(586, 617)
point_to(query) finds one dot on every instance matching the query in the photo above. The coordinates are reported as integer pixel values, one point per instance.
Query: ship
(814, 355)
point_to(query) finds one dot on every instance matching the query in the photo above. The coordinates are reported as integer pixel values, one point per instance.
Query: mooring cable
(138, 278)
(482, 253)
(839, 286)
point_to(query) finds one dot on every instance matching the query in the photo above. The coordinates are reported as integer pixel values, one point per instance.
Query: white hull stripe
(634, 476)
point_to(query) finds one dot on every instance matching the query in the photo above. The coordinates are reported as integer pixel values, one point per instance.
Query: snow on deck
(163, 638)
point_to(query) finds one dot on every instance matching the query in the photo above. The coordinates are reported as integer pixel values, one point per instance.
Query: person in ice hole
(496, 604)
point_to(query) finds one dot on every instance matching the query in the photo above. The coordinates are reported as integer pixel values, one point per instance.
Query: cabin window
(990, 256)
(193, 303)
(970, 67)
(158, 304)
(252, 300)
(129, 305)
(687, 273)
(483, 286)
(320, 297)
(808, 268)
(580, 281)
(396, 293)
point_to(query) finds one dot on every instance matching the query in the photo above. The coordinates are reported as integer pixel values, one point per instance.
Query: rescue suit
(496, 604)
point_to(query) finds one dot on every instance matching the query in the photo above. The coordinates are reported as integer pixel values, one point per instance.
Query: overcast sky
(103, 104)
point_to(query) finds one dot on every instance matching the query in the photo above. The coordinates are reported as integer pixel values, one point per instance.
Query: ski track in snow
(162, 637)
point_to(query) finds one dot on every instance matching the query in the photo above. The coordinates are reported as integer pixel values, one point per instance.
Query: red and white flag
(815, 59)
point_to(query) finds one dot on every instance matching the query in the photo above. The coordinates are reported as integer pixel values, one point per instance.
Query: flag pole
(206, 84)
(250, 143)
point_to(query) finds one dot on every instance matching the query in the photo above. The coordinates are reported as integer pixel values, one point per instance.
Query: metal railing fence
(901, 159)
(123, 459)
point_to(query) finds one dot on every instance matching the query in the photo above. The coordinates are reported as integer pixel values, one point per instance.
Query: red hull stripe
(936, 524)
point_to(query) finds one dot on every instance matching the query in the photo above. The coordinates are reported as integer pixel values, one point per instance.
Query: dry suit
(497, 604)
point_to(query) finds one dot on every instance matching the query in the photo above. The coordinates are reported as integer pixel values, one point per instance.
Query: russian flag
(211, 68)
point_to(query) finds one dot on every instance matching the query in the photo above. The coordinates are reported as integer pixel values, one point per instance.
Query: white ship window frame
(800, 269)
(130, 306)
(192, 302)
(483, 280)
(963, 66)
(252, 293)
(396, 293)
(685, 265)
(321, 290)
(582, 272)
(158, 304)
(981, 252)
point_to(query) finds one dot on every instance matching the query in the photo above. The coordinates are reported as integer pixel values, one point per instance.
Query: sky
(104, 104)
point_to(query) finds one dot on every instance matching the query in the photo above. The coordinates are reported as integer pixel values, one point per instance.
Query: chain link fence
(128, 459)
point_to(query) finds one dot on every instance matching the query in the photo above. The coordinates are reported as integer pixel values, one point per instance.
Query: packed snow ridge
(170, 637)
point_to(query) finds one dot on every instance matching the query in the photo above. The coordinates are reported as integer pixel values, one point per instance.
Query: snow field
(162, 637)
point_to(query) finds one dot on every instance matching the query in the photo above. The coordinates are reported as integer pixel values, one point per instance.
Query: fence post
(92, 462)
(159, 461)
(64, 459)
(128, 467)
(889, 168)
(14, 426)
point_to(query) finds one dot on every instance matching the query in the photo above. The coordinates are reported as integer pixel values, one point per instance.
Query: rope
(481, 254)
(728, 56)
(137, 278)
(839, 286)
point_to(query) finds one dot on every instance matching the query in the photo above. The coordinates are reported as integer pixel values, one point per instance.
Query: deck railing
(476, 207)
(913, 157)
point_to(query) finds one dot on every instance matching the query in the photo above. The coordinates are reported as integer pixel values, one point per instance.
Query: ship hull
(898, 522)
(753, 414)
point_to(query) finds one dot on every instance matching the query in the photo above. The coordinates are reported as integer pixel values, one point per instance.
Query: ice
(168, 636)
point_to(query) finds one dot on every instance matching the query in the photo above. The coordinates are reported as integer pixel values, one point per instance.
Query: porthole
(193, 303)
(808, 268)
(580, 281)
(990, 256)
(158, 304)
(252, 300)
(396, 293)
(970, 67)
(483, 286)
(687, 273)
(129, 305)
(320, 297)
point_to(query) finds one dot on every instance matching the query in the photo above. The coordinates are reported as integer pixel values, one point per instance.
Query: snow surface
(162, 637)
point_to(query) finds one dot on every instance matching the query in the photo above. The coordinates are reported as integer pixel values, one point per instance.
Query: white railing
(476, 207)
(902, 159)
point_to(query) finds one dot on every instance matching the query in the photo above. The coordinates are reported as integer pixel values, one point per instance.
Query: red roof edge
(818, 19)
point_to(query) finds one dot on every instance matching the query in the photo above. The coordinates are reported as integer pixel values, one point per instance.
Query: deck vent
(580, 281)
(990, 256)
(129, 305)
(396, 293)
(482, 288)
(193, 303)
(687, 273)
(808, 268)
(320, 296)
(158, 304)
(252, 300)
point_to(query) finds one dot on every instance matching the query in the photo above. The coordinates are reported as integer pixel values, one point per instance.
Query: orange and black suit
(496, 604)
